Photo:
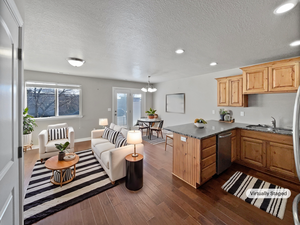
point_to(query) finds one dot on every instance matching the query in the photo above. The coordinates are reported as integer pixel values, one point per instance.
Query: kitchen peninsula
(195, 150)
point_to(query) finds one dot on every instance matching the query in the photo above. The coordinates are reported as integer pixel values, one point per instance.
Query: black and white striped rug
(44, 198)
(238, 185)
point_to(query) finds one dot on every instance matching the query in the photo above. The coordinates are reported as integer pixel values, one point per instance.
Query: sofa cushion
(105, 158)
(117, 128)
(50, 146)
(106, 132)
(111, 126)
(100, 148)
(112, 136)
(96, 141)
(121, 141)
(124, 132)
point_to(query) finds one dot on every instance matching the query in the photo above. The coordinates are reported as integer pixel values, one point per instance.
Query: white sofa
(112, 159)
(47, 148)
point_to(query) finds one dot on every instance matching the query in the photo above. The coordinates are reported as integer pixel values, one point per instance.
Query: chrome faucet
(273, 122)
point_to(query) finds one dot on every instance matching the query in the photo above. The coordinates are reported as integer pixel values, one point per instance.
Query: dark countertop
(214, 127)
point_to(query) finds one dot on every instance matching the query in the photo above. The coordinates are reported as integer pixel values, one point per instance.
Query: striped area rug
(239, 183)
(154, 140)
(44, 198)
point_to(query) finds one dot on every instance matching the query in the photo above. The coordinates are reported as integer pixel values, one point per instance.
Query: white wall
(96, 99)
(201, 99)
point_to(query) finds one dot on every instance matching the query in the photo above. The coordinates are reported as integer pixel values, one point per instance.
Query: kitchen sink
(263, 127)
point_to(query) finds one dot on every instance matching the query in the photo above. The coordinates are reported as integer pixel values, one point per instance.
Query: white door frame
(129, 103)
(12, 16)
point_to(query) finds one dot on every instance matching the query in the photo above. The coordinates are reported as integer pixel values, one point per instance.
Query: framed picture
(175, 103)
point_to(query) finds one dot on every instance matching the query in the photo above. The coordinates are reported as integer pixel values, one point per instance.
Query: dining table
(150, 122)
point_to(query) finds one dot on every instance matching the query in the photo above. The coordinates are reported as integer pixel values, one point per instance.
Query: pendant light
(149, 87)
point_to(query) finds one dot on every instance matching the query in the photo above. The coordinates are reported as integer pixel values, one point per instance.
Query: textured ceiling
(132, 39)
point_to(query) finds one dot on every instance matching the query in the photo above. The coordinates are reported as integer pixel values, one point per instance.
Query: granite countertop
(214, 127)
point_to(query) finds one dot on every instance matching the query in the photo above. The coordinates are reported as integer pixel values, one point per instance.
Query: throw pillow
(112, 125)
(106, 132)
(112, 136)
(55, 134)
(124, 131)
(121, 141)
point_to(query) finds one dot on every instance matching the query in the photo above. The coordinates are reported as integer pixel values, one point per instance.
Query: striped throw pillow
(106, 132)
(55, 134)
(112, 136)
(121, 141)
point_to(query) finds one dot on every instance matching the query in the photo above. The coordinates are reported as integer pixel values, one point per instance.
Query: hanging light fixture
(149, 87)
(75, 61)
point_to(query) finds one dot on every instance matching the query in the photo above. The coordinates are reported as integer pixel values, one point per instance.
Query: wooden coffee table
(53, 164)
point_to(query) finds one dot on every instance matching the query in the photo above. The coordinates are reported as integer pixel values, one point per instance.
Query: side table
(134, 172)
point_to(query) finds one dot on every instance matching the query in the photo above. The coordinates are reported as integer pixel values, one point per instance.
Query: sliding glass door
(128, 106)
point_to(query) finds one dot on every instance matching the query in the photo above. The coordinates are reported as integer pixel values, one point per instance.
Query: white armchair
(47, 148)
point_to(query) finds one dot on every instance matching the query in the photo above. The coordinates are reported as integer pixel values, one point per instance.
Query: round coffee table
(53, 164)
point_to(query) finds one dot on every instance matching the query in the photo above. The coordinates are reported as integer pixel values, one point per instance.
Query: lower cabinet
(261, 151)
(253, 151)
(281, 159)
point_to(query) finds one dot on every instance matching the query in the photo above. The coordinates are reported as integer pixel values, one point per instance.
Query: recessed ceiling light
(75, 61)
(295, 43)
(287, 6)
(213, 63)
(179, 51)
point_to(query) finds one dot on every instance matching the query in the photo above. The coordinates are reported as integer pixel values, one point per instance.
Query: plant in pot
(62, 148)
(28, 127)
(222, 113)
(151, 113)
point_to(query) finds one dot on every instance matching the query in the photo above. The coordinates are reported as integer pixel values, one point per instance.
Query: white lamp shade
(103, 121)
(134, 137)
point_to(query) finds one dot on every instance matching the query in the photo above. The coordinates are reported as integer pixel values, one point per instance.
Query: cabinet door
(233, 149)
(179, 156)
(255, 80)
(281, 159)
(253, 151)
(284, 77)
(235, 87)
(222, 92)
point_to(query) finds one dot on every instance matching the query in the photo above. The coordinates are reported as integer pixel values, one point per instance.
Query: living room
(182, 51)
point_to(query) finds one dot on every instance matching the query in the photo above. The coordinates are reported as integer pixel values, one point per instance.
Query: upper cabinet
(230, 91)
(279, 76)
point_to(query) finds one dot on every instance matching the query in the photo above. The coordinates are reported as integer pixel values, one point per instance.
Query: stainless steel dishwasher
(223, 152)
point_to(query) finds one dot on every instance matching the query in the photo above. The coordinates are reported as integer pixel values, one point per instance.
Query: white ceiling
(131, 39)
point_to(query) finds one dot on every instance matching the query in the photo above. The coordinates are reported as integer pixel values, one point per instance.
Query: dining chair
(158, 129)
(142, 126)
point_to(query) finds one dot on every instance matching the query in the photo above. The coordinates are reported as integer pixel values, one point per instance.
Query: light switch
(242, 113)
(213, 111)
(183, 139)
(109, 109)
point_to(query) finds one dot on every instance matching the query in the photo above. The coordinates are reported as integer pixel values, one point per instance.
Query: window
(53, 100)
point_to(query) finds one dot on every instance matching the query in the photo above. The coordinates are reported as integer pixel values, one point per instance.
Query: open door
(10, 116)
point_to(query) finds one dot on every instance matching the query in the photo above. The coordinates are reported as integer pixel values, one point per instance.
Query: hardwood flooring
(165, 199)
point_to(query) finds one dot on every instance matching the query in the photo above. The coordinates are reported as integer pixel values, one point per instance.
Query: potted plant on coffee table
(151, 113)
(62, 148)
(28, 127)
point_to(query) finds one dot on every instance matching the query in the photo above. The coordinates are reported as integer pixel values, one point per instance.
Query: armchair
(47, 148)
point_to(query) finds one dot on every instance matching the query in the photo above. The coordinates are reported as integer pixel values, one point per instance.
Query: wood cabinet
(230, 91)
(253, 151)
(270, 153)
(222, 92)
(186, 159)
(278, 76)
(233, 148)
(208, 158)
(281, 159)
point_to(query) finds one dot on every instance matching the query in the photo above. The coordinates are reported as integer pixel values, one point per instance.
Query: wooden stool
(170, 136)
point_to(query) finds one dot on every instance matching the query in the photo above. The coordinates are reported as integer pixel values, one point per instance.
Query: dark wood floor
(164, 199)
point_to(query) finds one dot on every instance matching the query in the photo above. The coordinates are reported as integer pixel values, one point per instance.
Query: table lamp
(103, 122)
(134, 137)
